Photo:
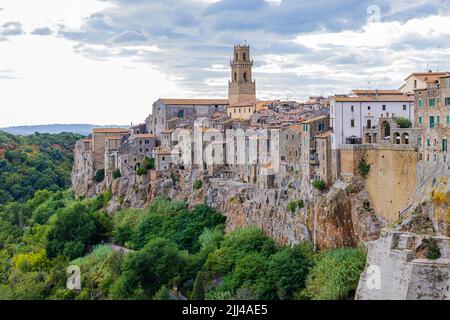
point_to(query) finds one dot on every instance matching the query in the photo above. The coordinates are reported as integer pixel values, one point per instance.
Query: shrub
(148, 163)
(403, 122)
(433, 251)
(363, 168)
(116, 174)
(335, 275)
(141, 171)
(319, 184)
(198, 184)
(294, 205)
(99, 176)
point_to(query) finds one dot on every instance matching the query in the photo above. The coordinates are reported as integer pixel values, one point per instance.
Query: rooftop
(362, 92)
(315, 119)
(194, 101)
(380, 98)
(110, 130)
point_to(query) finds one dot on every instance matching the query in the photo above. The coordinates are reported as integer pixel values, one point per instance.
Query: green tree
(157, 264)
(198, 293)
(71, 232)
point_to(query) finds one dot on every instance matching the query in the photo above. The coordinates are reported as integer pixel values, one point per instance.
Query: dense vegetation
(36, 162)
(174, 251)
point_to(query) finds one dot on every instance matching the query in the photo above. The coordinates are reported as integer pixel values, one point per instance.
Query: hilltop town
(369, 166)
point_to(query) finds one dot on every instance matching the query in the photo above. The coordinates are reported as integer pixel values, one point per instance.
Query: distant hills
(83, 129)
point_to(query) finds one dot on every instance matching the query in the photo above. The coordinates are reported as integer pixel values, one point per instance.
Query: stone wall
(396, 269)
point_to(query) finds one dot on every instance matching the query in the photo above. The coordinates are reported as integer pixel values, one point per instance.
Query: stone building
(323, 153)
(309, 157)
(290, 146)
(420, 80)
(178, 111)
(242, 87)
(432, 106)
(99, 142)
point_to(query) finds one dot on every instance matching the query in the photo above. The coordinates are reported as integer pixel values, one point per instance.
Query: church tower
(242, 87)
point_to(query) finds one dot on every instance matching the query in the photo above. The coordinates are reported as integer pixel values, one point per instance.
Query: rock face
(398, 268)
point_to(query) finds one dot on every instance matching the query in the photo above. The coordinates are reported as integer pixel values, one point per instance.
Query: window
(438, 119)
(415, 84)
(244, 56)
(420, 120)
(368, 108)
(431, 102)
(404, 107)
(352, 108)
(431, 122)
(384, 107)
(448, 120)
(428, 142)
(352, 123)
(444, 145)
(419, 141)
(420, 103)
(245, 76)
(447, 101)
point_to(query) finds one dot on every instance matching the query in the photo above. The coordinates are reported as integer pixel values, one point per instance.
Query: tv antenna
(438, 58)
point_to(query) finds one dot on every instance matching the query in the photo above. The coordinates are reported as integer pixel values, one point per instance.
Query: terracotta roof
(374, 92)
(315, 119)
(297, 128)
(382, 98)
(242, 104)
(422, 75)
(110, 130)
(194, 101)
(324, 134)
(164, 151)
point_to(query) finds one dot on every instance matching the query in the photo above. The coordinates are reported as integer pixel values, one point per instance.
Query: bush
(363, 168)
(148, 163)
(293, 205)
(141, 171)
(403, 122)
(319, 184)
(99, 176)
(336, 274)
(198, 184)
(116, 174)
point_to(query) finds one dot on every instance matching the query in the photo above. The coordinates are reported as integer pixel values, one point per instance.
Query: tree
(289, 268)
(71, 232)
(150, 268)
(403, 122)
(198, 293)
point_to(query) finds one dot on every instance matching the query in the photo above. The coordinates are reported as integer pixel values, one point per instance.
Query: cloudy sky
(106, 61)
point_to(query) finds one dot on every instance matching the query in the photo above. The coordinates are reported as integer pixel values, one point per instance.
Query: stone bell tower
(241, 88)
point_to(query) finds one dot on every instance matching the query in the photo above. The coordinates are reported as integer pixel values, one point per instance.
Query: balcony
(353, 140)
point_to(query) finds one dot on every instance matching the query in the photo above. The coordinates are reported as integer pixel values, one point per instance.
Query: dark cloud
(11, 29)
(42, 31)
(192, 36)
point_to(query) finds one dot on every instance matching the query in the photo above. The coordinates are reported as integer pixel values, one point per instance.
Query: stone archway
(405, 138)
(368, 138)
(396, 138)
(385, 130)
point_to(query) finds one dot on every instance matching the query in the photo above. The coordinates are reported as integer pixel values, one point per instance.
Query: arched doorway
(396, 138)
(405, 138)
(368, 138)
(385, 130)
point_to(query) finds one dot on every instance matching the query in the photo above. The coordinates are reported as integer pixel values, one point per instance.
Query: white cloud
(55, 84)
